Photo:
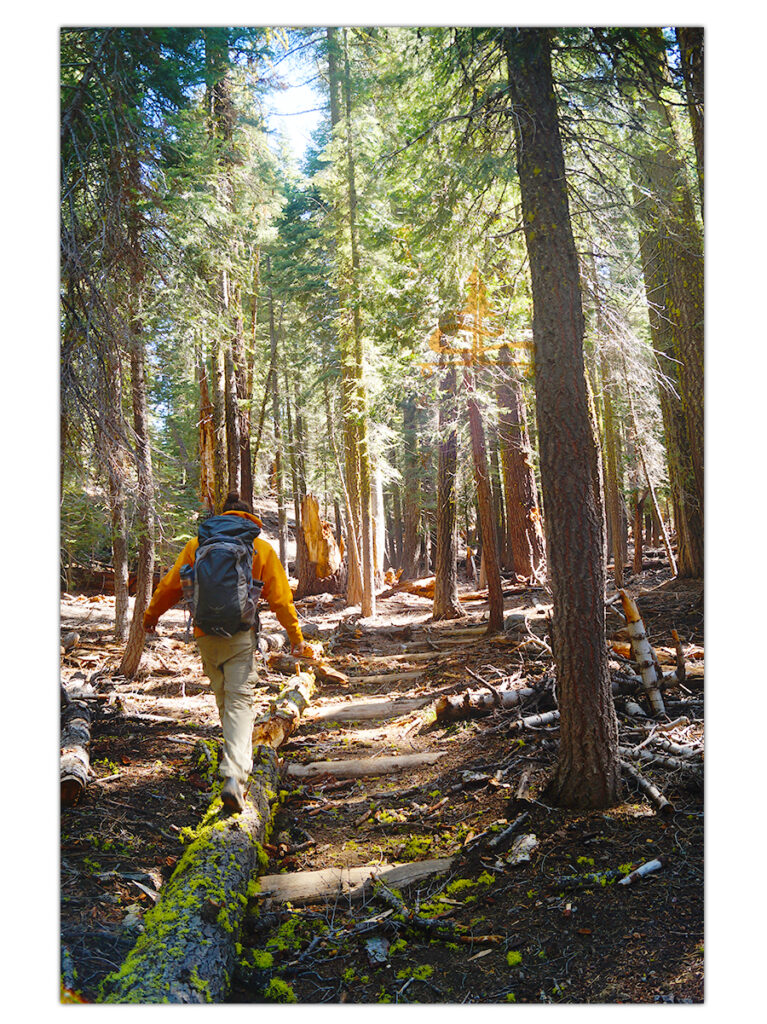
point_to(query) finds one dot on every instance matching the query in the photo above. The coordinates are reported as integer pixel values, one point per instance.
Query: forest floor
(520, 923)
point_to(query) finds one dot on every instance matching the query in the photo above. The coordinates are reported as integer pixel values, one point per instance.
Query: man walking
(227, 660)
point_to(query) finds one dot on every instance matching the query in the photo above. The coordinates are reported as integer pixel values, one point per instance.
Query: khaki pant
(228, 664)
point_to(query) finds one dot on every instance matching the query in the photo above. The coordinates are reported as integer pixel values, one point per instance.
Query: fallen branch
(644, 869)
(653, 794)
(308, 886)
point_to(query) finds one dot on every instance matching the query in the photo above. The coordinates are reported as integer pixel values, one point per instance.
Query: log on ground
(74, 766)
(307, 886)
(288, 666)
(186, 953)
(361, 767)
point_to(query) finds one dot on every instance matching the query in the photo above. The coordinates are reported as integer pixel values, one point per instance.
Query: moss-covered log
(187, 951)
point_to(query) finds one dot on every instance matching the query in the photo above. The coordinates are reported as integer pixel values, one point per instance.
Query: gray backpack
(224, 596)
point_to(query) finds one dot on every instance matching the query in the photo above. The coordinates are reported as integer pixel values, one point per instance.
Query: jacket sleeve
(277, 592)
(168, 591)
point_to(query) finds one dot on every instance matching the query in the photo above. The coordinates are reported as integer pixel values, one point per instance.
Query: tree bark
(684, 498)
(484, 501)
(588, 771)
(690, 42)
(446, 604)
(523, 518)
(143, 453)
(282, 515)
(411, 489)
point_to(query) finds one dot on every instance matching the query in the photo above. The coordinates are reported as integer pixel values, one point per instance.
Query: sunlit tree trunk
(690, 42)
(523, 519)
(490, 562)
(588, 772)
(145, 482)
(446, 604)
(279, 486)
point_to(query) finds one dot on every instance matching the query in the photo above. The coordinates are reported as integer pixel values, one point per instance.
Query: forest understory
(524, 902)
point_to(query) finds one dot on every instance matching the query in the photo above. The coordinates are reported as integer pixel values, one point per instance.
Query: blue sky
(294, 110)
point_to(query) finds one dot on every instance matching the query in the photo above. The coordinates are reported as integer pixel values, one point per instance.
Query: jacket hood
(245, 515)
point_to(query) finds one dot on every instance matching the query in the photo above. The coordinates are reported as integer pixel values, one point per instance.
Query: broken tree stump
(643, 653)
(322, 570)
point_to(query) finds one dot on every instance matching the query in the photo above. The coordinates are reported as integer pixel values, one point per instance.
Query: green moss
(258, 960)
(278, 991)
(513, 957)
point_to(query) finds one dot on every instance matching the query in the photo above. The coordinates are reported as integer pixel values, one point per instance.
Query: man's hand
(150, 625)
(305, 650)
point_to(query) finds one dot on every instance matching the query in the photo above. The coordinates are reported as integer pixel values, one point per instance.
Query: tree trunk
(232, 423)
(446, 604)
(484, 500)
(206, 438)
(684, 498)
(612, 488)
(667, 214)
(588, 770)
(523, 519)
(368, 606)
(111, 446)
(690, 42)
(220, 474)
(282, 515)
(411, 489)
(143, 452)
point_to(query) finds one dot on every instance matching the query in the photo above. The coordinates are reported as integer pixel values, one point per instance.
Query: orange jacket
(266, 567)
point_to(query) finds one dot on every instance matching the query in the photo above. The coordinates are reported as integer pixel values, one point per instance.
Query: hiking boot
(231, 794)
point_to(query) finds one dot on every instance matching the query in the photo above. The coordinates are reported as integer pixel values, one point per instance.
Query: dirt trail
(538, 918)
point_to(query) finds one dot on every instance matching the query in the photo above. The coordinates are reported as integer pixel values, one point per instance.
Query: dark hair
(233, 503)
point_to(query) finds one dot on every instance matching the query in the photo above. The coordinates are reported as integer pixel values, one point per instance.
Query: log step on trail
(308, 886)
(367, 710)
(361, 767)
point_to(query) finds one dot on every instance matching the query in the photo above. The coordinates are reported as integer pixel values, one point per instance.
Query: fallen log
(475, 703)
(387, 677)
(284, 715)
(308, 886)
(370, 710)
(186, 953)
(288, 666)
(74, 764)
(361, 767)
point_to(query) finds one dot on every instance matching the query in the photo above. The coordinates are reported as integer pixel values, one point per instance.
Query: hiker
(227, 644)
